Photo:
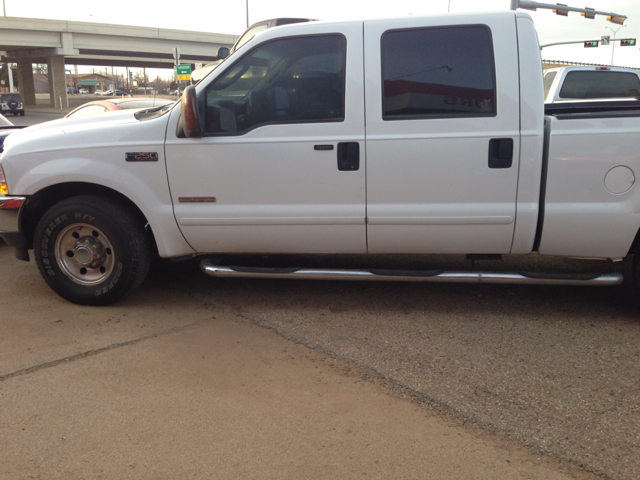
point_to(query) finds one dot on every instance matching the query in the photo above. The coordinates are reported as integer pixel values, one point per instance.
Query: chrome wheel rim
(84, 254)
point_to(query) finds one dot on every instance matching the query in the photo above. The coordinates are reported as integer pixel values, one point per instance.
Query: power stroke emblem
(141, 156)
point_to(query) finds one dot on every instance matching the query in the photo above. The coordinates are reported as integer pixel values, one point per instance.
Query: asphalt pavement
(166, 384)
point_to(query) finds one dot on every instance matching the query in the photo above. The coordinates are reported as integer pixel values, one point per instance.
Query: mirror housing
(189, 120)
(222, 52)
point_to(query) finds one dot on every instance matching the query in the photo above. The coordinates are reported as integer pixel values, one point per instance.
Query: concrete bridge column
(57, 80)
(25, 80)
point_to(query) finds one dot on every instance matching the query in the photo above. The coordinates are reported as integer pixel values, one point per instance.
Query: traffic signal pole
(564, 9)
(579, 41)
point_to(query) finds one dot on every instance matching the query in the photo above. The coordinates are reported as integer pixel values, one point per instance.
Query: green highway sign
(184, 71)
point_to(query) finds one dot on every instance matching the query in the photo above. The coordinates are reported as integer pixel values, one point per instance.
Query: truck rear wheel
(91, 251)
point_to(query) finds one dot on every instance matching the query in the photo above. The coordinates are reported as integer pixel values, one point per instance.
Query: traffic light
(592, 44)
(557, 11)
(618, 20)
(588, 15)
(627, 42)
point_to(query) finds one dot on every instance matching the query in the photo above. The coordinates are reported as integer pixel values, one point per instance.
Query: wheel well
(40, 202)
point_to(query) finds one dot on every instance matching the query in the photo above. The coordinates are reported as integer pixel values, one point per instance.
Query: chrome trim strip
(479, 220)
(447, 277)
(191, 222)
(10, 208)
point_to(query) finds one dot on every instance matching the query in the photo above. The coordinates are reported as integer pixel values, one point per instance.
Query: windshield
(249, 34)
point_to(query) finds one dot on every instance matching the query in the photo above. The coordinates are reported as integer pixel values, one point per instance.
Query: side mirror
(189, 123)
(223, 52)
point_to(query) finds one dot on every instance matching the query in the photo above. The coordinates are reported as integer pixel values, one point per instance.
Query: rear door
(443, 134)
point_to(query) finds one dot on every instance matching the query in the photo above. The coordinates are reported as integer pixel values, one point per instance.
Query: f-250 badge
(141, 156)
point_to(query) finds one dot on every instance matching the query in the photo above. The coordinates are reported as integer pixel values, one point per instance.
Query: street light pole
(613, 49)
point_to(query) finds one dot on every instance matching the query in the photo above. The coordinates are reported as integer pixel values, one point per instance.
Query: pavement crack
(91, 353)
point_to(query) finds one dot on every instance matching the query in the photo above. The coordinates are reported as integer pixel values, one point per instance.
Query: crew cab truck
(583, 83)
(398, 136)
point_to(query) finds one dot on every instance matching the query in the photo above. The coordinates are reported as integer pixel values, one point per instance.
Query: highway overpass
(26, 41)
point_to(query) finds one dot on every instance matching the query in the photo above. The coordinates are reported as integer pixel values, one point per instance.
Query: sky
(231, 17)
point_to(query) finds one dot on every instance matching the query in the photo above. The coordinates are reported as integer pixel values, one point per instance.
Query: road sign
(605, 39)
(183, 71)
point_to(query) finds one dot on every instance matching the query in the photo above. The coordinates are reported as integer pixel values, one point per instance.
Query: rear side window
(549, 77)
(600, 84)
(438, 72)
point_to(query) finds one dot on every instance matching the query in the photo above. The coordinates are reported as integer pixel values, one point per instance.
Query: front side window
(438, 72)
(291, 80)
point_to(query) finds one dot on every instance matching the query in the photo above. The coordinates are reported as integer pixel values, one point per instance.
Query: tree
(141, 78)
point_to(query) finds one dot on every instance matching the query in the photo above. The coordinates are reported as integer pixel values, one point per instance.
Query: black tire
(91, 251)
(22, 114)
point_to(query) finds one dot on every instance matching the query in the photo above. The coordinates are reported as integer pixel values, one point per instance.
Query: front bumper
(10, 210)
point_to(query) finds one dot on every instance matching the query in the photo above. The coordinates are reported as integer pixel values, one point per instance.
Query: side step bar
(524, 278)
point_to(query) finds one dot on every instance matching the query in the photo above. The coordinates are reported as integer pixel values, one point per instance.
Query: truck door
(280, 167)
(442, 134)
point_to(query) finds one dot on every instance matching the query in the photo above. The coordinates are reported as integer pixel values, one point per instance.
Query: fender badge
(141, 156)
(197, 199)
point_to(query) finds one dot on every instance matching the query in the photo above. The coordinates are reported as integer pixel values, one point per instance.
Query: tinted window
(603, 84)
(548, 81)
(292, 80)
(438, 72)
(7, 97)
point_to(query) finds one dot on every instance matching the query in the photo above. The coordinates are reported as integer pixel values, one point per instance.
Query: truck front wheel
(91, 251)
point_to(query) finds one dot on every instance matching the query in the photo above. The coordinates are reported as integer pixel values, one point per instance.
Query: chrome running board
(524, 278)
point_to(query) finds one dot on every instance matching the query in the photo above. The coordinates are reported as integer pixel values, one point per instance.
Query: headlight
(4, 190)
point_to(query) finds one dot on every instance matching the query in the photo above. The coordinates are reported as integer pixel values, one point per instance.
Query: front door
(281, 165)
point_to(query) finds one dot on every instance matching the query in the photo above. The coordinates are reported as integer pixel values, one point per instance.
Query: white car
(83, 90)
(98, 92)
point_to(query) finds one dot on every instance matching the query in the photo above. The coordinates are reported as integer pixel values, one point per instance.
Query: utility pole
(613, 49)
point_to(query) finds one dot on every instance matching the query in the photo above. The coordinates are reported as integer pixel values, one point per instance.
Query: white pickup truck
(400, 136)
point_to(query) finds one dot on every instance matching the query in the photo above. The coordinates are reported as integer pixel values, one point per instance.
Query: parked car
(98, 92)
(83, 90)
(11, 103)
(72, 91)
(114, 104)
(590, 83)
(199, 73)
(115, 93)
